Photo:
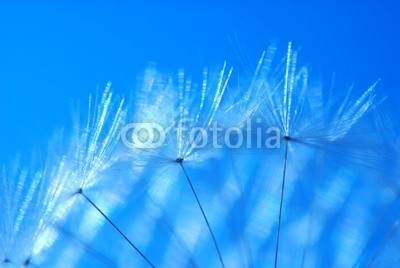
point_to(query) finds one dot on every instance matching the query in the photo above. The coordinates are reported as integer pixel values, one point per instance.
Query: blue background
(54, 52)
(51, 52)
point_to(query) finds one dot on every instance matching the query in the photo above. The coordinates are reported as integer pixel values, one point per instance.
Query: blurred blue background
(54, 51)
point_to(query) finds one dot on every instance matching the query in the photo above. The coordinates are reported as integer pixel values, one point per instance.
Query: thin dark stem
(362, 260)
(171, 229)
(383, 245)
(116, 228)
(203, 213)
(281, 204)
(100, 257)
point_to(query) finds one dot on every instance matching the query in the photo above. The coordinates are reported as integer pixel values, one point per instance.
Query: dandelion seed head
(179, 105)
(28, 199)
(299, 110)
(94, 140)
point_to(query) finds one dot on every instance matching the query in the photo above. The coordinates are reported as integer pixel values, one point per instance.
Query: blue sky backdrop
(55, 51)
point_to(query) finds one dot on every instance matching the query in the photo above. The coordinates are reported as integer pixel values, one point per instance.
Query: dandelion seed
(28, 199)
(300, 113)
(115, 227)
(94, 141)
(191, 107)
(40, 206)
(92, 151)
